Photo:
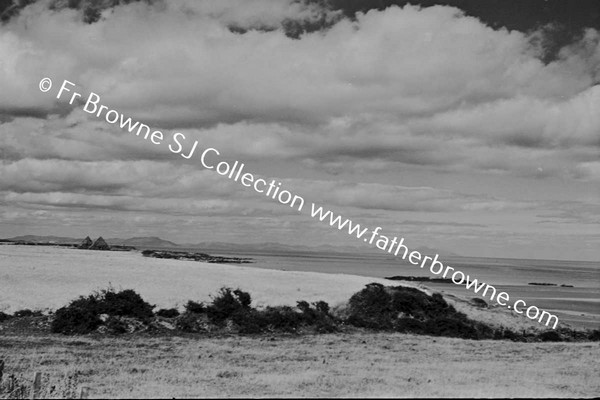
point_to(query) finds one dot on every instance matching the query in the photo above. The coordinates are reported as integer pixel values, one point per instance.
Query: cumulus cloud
(396, 85)
(427, 89)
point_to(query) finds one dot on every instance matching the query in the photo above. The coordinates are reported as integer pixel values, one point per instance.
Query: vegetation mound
(85, 314)
(410, 310)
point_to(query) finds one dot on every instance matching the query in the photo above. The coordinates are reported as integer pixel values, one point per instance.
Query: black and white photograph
(299, 198)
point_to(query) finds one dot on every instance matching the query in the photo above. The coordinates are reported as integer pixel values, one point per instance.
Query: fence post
(84, 392)
(37, 385)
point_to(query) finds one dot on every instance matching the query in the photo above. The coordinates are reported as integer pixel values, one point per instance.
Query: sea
(577, 302)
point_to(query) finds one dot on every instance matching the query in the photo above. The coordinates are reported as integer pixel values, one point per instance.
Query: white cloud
(426, 88)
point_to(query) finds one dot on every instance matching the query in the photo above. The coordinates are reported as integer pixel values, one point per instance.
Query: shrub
(243, 298)
(510, 335)
(450, 327)
(303, 306)
(27, 313)
(227, 303)
(322, 307)
(309, 315)
(282, 318)
(318, 316)
(550, 336)
(194, 307)
(83, 314)
(410, 310)
(594, 335)
(116, 325)
(250, 321)
(326, 326)
(188, 322)
(73, 320)
(483, 331)
(409, 325)
(371, 308)
(4, 316)
(126, 303)
(167, 313)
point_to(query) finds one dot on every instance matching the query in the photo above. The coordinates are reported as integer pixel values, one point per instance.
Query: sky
(472, 130)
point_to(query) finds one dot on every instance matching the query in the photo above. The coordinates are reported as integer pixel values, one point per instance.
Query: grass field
(339, 365)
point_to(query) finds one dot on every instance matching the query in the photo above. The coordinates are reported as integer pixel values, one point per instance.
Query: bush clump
(409, 310)
(195, 307)
(27, 313)
(235, 306)
(75, 319)
(167, 313)
(286, 319)
(83, 314)
(228, 304)
(116, 325)
(189, 322)
(126, 303)
(371, 308)
(550, 336)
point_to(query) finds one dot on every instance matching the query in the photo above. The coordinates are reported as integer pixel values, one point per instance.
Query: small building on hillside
(99, 244)
(86, 244)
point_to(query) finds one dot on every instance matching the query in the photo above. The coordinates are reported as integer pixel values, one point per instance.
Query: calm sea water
(578, 305)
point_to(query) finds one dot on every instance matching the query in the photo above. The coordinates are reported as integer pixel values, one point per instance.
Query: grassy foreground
(338, 365)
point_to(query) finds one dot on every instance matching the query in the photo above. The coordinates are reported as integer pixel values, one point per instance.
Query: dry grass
(348, 365)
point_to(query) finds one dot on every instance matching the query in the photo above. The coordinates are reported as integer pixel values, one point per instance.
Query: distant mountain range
(138, 242)
(152, 242)
(271, 247)
(45, 239)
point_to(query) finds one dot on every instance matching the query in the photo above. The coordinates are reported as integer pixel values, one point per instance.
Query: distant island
(547, 284)
(192, 256)
(419, 279)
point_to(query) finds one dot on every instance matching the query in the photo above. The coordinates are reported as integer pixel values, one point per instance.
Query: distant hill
(138, 242)
(270, 247)
(142, 242)
(250, 247)
(46, 239)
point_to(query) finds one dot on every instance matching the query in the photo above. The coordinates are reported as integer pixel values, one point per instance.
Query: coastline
(63, 274)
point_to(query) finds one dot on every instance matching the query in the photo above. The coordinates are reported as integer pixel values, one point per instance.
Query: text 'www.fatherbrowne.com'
(177, 143)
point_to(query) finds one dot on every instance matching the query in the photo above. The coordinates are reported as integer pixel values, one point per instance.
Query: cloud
(428, 87)
(402, 89)
(181, 68)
